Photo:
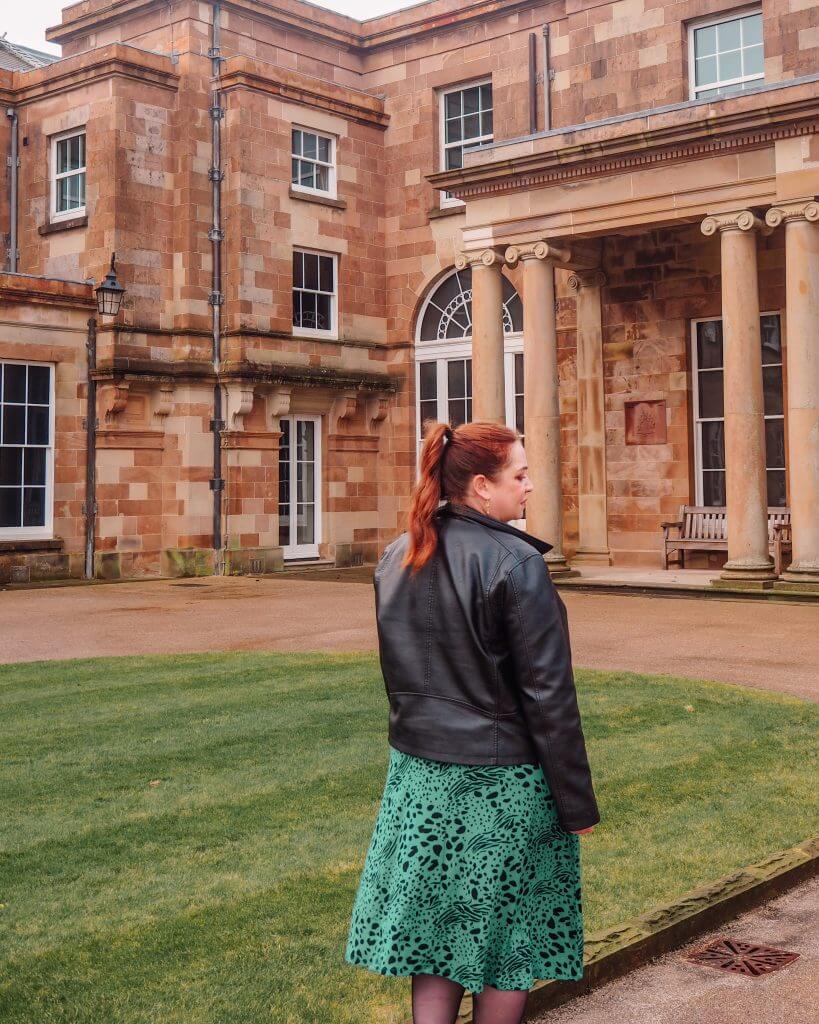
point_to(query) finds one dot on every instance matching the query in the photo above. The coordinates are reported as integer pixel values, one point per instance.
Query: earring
(486, 505)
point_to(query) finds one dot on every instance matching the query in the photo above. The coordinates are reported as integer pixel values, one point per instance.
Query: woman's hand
(582, 831)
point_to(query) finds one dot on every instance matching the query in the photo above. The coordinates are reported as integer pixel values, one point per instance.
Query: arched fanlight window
(447, 313)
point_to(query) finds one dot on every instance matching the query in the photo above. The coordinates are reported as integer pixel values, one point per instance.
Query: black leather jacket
(476, 657)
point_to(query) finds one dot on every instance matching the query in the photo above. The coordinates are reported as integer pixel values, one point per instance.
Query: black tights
(436, 1000)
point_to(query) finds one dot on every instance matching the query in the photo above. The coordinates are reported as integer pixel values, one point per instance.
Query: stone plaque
(645, 422)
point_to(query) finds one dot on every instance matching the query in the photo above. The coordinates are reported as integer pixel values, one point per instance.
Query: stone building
(300, 218)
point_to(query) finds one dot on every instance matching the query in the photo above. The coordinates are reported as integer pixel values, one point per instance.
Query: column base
(558, 566)
(746, 573)
(800, 576)
(588, 556)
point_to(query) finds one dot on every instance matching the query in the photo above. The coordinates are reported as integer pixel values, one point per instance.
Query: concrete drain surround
(747, 958)
(617, 951)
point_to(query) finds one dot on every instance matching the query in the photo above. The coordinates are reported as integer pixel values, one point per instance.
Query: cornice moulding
(355, 36)
(272, 80)
(115, 60)
(638, 148)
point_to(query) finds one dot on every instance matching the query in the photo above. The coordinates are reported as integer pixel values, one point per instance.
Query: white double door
(300, 486)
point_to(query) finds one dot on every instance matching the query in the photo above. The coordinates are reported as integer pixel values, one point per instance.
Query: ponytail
(449, 460)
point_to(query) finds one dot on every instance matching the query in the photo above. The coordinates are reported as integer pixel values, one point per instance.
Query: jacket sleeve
(537, 632)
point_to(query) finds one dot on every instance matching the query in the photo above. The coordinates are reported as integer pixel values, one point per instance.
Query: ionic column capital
(793, 209)
(737, 220)
(537, 251)
(490, 257)
(586, 279)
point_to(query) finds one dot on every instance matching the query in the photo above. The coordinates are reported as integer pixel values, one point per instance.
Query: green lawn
(221, 893)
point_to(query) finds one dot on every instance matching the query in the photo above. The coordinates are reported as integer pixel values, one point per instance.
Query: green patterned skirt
(469, 876)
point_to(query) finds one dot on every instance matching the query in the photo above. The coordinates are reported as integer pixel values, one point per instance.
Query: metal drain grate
(749, 958)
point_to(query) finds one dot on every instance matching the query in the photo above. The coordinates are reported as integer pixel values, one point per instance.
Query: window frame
(716, 19)
(332, 190)
(696, 419)
(447, 202)
(314, 332)
(78, 211)
(46, 531)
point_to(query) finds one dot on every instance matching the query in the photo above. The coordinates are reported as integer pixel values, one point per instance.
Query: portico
(581, 210)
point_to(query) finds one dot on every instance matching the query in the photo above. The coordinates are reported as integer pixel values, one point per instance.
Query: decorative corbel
(112, 398)
(278, 404)
(239, 401)
(342, 408)
(540, 250)
(163, 400)
(376, 410)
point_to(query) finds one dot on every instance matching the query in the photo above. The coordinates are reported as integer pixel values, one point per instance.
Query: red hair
(447, 466)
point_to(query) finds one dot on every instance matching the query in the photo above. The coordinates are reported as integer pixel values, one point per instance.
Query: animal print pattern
(469, 876)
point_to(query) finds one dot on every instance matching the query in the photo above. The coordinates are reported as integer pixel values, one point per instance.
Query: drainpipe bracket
(217, 484)
(216, 426)
(215, 299)
(216, 235)
(217, 113)
(216, 174)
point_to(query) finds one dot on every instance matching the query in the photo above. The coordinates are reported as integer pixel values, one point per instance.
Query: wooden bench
(704, 528)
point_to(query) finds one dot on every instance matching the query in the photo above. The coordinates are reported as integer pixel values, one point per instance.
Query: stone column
(801, 220)
(749, 562)
(593, 546)
(488, 392)
(544, 508)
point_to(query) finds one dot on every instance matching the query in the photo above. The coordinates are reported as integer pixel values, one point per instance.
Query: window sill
(35, 544)
(445, 211)
(310, 197)
(315, 335)
(50, 227)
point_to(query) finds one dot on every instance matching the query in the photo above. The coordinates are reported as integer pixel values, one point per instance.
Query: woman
(472, 876)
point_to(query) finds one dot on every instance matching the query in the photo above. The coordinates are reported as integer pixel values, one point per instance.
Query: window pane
(10, 506)
(14, 383)
(324, 150)
(39, 379)
(772, 390)
(486, 123)
(518, 373)
(456, 412)
(515, 310)
(468, 377)
(324, 313)
(305, 530)
(454, 131)
(308, 142)
(519, 414)
(710, 394)
(775, 443)
(34, 506)
(428, 380)
(752, 30)
(486, 96)
(453, 105)
(730, 65)
(456, 381)
(297, 309)
(35, 466)
(11, 466)
(705, 41)
(298, 269)
(307, 178)
(308, 310)
(472, 100)
(454, 158)
(753, 61)
(326, 273)
(429, 411)
(776, 487)
(705, 70)
(713, 488)
(713, 445)
(294, 171)
(322, 178)
(472, 126)
(14, 424)
(305, 440)
(709, 344)
(37, 425)
(62, 156)
(728, 35)
(771, 340)
(311, 275)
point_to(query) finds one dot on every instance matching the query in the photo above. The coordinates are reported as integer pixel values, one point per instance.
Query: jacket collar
(467, 512)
